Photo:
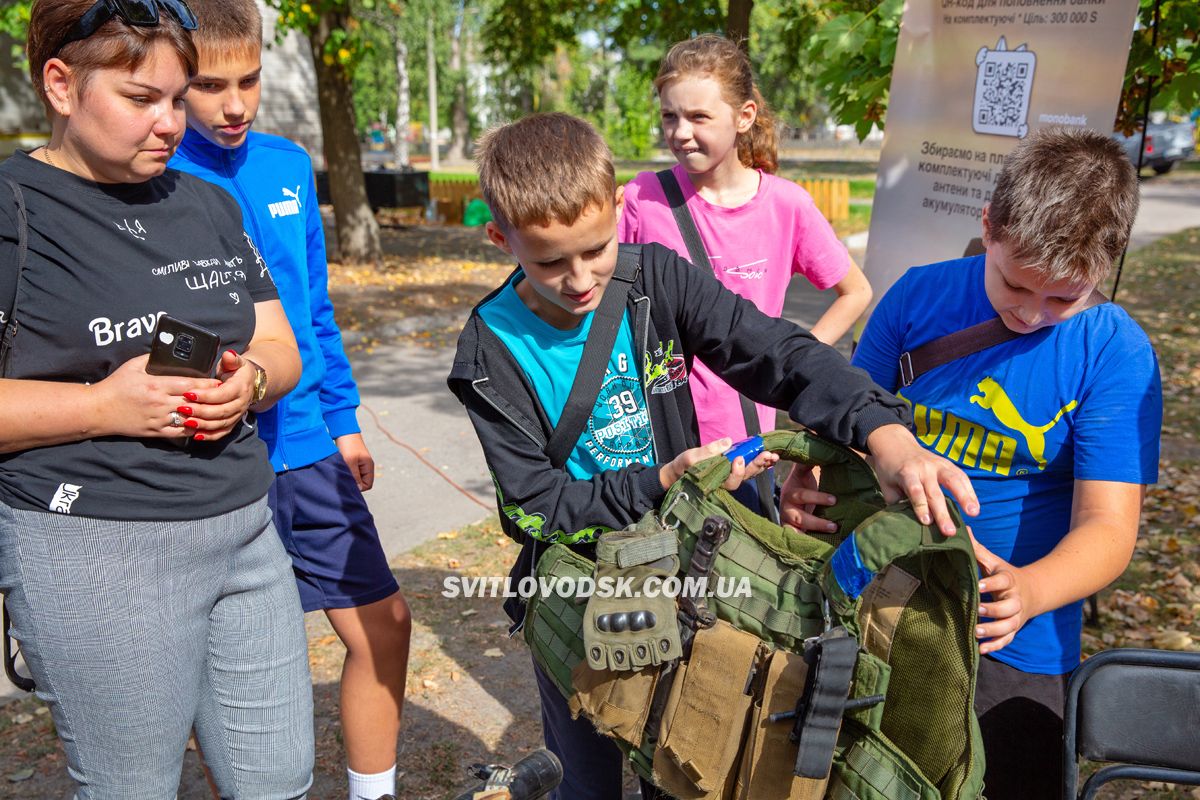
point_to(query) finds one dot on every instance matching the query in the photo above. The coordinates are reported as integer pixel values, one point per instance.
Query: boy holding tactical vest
(1056, 422)
(322, 466)
(571, 460)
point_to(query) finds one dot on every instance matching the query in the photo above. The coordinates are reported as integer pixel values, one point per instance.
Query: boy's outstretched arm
(549, 503)
(545, 502)
(1094, 553)
(904, 468)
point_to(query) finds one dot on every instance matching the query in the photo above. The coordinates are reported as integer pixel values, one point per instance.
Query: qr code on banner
(1003, 84)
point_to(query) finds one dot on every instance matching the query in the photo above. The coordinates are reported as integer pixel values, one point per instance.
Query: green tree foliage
(14, 21)
(855, 42)
(1171, 69)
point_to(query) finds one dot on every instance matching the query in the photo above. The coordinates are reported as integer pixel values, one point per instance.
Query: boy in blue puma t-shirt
(1058, 428)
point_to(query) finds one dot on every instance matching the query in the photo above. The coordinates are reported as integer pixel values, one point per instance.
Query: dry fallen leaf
(494, 652)
(448, 535)
(1173, 640)
(453, 563)
(470, 612)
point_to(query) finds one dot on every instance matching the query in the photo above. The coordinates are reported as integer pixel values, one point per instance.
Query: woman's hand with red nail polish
(218, 410)
(141, 405)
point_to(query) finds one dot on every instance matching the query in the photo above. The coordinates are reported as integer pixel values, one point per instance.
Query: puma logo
(994, 397)
(286, 208)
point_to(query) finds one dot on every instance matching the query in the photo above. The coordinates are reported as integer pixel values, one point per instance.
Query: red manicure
(231, 353)
(191, 423)
(185, 410)
(190, 397)
(199, 437)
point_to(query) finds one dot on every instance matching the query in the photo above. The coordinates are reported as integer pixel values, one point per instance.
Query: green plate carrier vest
(846, 671)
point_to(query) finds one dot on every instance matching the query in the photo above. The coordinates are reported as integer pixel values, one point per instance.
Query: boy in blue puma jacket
(322, 465)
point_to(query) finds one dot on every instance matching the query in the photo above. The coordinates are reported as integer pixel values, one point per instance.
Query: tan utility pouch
(769, 759)
(705, 718)
(617, 703)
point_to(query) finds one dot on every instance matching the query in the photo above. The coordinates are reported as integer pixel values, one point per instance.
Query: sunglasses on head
(141, 13)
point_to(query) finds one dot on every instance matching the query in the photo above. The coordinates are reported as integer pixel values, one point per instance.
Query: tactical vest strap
(799, 446)
(630, 552)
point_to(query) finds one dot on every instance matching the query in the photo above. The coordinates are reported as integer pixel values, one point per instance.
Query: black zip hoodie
(678, 313)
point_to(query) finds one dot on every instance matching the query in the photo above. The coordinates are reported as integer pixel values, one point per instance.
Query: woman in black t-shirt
(146, 586)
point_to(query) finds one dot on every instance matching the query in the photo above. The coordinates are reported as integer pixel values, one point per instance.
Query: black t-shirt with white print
(103, 262)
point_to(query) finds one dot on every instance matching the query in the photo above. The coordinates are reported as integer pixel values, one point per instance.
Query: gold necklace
(46, 153)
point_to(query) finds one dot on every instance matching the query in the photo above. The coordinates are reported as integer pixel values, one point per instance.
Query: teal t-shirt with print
(617, 433)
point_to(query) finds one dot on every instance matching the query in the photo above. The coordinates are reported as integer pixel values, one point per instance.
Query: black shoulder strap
(9, 308)
(596, 354)
(699, 256)
(683, 218)
(960, 344)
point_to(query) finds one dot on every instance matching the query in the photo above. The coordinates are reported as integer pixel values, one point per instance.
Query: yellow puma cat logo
(995, 398)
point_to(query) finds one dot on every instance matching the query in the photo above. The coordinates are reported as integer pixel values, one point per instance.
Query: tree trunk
(737, 24)
(459, 124)
(357, 230)
(431, 73)
(403, 105)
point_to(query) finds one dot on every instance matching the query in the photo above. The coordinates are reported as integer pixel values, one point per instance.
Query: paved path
(432, 475)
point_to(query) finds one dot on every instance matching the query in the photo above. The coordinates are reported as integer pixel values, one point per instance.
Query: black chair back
(1138, 708)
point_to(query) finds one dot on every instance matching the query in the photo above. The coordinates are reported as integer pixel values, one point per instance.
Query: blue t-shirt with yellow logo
(617, 433)
(1024, 419)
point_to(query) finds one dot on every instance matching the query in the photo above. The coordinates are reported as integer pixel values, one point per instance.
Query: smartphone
(181, 348)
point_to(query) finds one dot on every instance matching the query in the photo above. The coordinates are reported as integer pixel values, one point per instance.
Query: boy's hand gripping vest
(827, 666)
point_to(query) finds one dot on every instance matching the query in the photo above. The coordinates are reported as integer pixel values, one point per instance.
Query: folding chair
(1139, 709)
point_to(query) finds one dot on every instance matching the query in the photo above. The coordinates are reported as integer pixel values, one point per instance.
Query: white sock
(372, 787)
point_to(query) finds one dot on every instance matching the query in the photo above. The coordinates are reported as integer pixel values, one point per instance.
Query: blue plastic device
(748, 449)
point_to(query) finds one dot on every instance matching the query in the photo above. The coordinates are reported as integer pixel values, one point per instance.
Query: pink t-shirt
(754, 249)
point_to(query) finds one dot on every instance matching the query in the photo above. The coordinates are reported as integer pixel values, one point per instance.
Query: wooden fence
(831, 196)
(451, 195)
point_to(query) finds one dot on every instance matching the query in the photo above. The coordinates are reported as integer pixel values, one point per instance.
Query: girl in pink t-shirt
(758, 229)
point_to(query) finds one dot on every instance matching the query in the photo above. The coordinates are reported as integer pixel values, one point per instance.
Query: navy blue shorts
(330, 534)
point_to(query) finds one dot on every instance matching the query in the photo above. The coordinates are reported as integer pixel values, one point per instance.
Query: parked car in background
(1167, 143)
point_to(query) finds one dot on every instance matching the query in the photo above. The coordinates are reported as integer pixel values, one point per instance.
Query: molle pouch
(554, 623)
(630, 623)
(769, 757)
(704, 722)
(617, 703)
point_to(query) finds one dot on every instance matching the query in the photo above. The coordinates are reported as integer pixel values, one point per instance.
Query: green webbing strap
(799, 446)
(879, 776)
(751, 557)
(839, 791)
(685, 513)
(825, 703)
(634, 552)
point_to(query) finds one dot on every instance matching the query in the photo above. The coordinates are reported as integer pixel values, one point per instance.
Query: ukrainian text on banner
(971, 79)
